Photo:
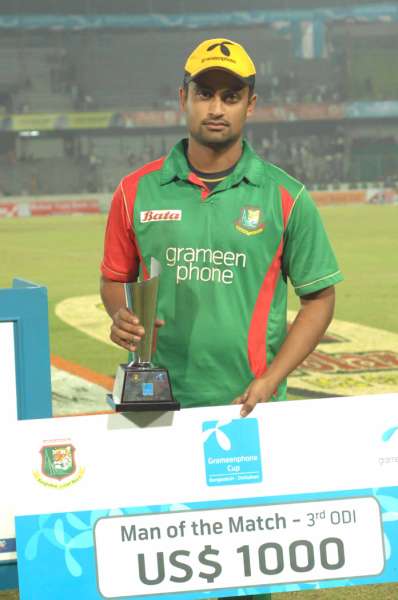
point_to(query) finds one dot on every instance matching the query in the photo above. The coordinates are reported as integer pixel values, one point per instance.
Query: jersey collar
(249, 167)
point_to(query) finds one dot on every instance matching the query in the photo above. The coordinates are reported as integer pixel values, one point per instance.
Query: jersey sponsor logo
(250, 220)
(160, 215)
(204, 264)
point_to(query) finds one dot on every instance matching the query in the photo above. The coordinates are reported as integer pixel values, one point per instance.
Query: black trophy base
(140, 406)
(141, 386)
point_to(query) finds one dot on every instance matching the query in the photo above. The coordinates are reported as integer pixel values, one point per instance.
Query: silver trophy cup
(140, 385)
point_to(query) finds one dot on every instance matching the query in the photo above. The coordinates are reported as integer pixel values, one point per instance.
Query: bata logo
(160, 215)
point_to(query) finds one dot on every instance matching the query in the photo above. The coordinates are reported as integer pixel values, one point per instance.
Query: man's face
(216, 105)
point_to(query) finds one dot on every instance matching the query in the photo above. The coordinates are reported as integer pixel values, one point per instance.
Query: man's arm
(310, 324)
(126, 330)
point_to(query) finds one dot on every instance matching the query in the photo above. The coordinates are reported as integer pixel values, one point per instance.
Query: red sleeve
(121, 258)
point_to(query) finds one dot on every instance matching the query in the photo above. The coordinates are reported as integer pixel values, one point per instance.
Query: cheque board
(201, 503)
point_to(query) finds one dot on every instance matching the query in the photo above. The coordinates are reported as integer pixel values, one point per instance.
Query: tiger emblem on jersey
(250, 220)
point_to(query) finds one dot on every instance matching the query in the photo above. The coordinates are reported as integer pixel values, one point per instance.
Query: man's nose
(216, 107)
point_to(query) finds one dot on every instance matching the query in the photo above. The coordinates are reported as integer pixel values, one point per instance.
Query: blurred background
(88, 90)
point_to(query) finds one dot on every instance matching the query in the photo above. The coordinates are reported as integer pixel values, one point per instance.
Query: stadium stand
(331, 120)
(104, 70)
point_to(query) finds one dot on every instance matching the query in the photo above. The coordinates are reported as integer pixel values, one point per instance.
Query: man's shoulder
(149, 169)
(282, 179)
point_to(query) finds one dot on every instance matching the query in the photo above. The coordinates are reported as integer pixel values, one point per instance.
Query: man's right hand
(126, 329)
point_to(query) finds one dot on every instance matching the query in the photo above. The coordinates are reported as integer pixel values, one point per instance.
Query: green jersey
(227, 255)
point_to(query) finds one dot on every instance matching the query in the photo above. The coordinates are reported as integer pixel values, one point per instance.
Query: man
(228, 229)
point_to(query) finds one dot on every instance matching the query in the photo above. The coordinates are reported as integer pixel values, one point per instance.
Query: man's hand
(260, 390)
(126, 329)
(307, 329)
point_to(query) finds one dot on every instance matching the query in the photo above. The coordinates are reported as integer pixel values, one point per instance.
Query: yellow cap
(221, 54)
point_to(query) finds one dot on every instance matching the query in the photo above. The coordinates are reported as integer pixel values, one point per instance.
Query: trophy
(140, 385)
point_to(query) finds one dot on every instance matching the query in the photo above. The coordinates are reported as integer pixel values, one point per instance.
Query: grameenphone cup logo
(232, 452)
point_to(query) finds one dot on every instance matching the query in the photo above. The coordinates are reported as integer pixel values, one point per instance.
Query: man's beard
(215, 144)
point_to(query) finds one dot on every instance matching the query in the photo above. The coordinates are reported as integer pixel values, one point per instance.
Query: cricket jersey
(226, 257)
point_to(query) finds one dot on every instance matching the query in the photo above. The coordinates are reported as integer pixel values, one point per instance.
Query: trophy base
(140, 406)
(142, 386)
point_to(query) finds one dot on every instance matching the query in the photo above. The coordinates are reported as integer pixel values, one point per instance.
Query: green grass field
(63, 253)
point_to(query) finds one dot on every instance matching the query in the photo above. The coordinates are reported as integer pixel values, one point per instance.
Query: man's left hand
(307, 329)
(260, 390)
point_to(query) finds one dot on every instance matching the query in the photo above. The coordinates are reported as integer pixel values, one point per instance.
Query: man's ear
(251, 105)
(182, 93)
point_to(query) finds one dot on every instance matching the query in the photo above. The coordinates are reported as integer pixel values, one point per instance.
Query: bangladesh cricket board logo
(58, 465)
(250, 221)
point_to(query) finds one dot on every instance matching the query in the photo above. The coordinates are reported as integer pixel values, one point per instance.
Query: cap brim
(245, 80)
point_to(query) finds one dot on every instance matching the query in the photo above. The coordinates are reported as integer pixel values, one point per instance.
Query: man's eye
(231, 97)
(203, 93)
